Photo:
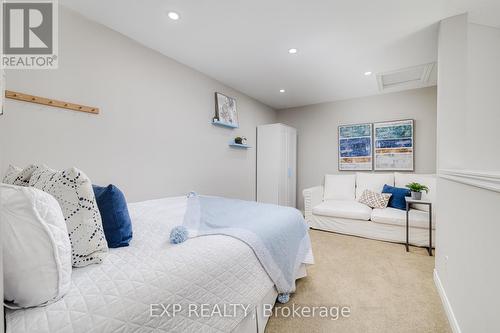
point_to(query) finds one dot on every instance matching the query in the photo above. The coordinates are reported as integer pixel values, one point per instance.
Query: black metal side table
(409, 202)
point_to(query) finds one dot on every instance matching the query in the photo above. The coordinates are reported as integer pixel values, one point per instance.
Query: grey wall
(317, 130)
(153, 137)
(467, 229)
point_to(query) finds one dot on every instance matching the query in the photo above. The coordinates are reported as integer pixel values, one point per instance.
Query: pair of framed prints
(379, 146)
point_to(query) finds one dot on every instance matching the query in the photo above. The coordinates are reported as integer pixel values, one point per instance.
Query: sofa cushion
(339, 187)
(403, 179)
(394, 216)
(372, 181)
(349, 209)
(398, 195)
(375, 199)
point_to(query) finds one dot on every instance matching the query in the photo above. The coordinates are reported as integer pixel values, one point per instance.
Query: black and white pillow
(11, 174)
(73, 191)
(19, 177)
(374, 199)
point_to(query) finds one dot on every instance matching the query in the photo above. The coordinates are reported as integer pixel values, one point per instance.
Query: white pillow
(36, 247)
(403, 179)
(11, 174)
(16, 176)
(339, 187)
(372, 181)
(73, 191)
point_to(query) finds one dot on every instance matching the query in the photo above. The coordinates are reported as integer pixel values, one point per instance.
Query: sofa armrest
(312, 197)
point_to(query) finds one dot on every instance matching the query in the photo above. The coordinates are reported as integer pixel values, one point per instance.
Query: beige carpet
(387, 289)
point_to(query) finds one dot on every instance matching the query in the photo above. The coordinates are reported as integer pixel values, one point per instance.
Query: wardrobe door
(283, 161)
(292, 166)
(268, 164)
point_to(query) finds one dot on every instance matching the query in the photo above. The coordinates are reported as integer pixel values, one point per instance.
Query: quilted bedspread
(116, 296)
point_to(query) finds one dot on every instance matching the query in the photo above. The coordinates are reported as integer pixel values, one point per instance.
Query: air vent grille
(406, 78)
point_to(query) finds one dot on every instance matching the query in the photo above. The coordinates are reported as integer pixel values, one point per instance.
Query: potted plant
(238, 140)
(416, 190)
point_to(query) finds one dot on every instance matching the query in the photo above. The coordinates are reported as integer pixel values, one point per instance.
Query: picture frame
(394, 143)
(355, 147)
(225, 110)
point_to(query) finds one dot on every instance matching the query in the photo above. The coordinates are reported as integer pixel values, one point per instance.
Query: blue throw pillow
(114, 214)
(397, 199)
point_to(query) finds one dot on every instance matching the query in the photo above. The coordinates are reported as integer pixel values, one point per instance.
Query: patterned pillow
(73, 191)
(11, 174)
(374, 199)
(19, 177)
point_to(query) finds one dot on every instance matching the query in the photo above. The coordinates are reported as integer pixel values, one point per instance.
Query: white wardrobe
(277, 164)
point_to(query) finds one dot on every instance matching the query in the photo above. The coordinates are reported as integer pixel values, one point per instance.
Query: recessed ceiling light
(282, 90)
(368, 73)
(292, 51)
(173, 16)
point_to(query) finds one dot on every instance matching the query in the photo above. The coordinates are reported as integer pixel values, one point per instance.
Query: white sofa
(334, 207)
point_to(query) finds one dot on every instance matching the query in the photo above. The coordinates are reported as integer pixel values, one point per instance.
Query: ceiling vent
(406, 78)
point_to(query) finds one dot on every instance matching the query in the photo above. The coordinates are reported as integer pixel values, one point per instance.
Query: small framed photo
(225, 110)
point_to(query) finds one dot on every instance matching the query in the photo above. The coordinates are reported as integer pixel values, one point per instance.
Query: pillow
(372, 181)
(397, 199)
(16, 176)
(73, 190)
(36, 247)
(11, 174)
(374, 199)
(114, 214)
(339, 187)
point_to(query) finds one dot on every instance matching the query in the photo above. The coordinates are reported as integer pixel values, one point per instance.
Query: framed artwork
(225, 110)
(355, 147)
(394, 145)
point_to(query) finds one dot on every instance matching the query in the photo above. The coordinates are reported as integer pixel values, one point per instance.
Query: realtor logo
(29, 34)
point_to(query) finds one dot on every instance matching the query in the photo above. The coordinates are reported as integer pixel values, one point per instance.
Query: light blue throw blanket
(277, 235)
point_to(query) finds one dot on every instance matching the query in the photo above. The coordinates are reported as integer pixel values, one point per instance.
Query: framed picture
(225, 110)
(394, 145)
(355, 147)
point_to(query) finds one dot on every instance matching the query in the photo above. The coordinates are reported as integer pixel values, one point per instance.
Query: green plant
(238, 140)
(416, 187)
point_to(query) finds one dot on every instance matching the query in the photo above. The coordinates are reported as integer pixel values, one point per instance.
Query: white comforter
(115, 296)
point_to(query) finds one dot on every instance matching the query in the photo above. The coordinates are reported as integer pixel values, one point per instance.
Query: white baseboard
(446, 304)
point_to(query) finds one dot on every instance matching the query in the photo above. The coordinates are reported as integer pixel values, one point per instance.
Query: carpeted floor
(387, 289)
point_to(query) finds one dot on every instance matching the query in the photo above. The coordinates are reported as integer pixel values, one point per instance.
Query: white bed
(116, 296)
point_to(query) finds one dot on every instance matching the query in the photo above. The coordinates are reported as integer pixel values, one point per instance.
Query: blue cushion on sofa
(397, 199)
(114, 213)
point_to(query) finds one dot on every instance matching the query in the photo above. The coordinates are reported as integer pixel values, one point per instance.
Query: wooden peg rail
(50, 102)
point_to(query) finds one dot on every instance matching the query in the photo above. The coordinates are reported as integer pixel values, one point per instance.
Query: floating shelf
(218, 123)
(239, 145)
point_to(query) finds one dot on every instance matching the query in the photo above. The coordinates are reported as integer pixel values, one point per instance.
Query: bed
(130, 290)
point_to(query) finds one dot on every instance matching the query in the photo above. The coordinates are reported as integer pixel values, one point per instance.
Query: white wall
(153, 137)
(317, 130)
(467, 246)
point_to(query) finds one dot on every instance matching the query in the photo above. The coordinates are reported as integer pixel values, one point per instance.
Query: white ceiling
(244, 43)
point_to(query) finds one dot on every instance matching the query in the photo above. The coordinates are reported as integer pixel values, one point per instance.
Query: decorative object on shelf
(355, 147)
(50, 102)
(240, 140)
(416, 190)
(394, 145)
(225, 111)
